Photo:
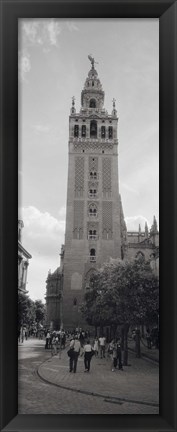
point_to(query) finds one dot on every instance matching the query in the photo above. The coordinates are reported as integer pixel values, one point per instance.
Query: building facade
(95, 225)
(23, 261)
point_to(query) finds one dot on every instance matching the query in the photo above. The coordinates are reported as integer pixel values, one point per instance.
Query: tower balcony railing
(92, 258)
(93, 215)
(92, 195)
(93, 177)
(86, 139)
(92, 236)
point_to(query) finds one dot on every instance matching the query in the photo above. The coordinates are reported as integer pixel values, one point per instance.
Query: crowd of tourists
(55, 340)
(98, 348)
(80, 344)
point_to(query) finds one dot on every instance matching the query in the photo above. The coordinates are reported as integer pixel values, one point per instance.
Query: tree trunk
(142, 330)
(137, 344)
(95, 331)
(125, 358)
(101, 330)
(122, 338)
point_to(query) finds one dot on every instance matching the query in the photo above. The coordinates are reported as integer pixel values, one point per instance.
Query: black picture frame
(166, 11)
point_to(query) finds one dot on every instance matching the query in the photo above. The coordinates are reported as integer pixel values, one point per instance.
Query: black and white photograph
(88, 216)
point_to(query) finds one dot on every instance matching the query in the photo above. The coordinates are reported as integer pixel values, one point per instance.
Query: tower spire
(92, 60)
(146, 230)
(114, 111)
(73, 109)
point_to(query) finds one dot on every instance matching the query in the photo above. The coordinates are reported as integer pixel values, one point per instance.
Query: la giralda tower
(93, 216)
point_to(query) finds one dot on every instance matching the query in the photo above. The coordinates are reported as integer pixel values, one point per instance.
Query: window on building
(92, 255)
(83, 131)
(76, 130)
(75, 301)
(93, 175)
(110, 132)
(93, 210)
(92, 235)
(93, 129)
(92, 193)
(103, 132)
(92, 103)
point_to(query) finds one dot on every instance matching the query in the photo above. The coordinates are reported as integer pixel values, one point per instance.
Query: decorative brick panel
(107, 226)
(78, 220)
(79, 176)
(106, 177)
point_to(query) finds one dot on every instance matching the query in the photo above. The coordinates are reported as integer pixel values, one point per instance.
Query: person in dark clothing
(75, 347)
(119, 354)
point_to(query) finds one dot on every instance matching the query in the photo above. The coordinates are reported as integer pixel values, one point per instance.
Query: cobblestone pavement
(133, 391)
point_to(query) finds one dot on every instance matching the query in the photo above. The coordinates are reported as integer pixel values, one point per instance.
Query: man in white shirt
(102, 342)
(76, 346)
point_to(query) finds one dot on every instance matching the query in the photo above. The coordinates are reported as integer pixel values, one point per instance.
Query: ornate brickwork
(106, 177)
(92, 210)
(107, 220)
(92, 230)
(79, 176)
(78, 220)
(93, 164)
(92, 147)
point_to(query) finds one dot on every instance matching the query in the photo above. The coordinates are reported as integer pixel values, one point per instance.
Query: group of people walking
(55, 340)
(88, 350)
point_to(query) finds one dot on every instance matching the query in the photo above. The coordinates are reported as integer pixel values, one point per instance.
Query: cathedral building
(23, 261)
(95, 226)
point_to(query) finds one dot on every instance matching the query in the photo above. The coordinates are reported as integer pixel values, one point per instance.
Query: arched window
(92, 193)
(103, 133)
(93, 175)
(83, 131)
(92, 210)
(110, 132)
(92, 255)
(92, 252)
(92, 103)
(92, 235)
(93, 129)
(76, 130)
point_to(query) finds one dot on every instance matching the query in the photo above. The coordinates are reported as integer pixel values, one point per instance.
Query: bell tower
(93, 216)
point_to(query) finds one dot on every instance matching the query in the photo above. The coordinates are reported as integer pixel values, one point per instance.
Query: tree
(26, 310)
(39, 312)
(123, 293)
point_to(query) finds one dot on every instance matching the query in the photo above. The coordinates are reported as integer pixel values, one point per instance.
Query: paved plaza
(47, 387)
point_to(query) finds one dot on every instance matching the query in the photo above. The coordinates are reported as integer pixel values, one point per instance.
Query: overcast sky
(53, 66)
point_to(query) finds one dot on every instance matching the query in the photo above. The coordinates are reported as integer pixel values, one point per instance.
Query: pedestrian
(119, 354)
(23, 334)
(63, 339)
(47, 340)
(95, 346)
(53, 346)
(75, 347)
(113, 353)
(102, 343)
(88, 353)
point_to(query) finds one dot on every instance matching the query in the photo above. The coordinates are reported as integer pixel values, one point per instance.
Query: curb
(108, 398)
(145, 357)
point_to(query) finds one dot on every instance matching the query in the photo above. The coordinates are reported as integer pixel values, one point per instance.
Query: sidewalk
(138, 383)
(151, 354)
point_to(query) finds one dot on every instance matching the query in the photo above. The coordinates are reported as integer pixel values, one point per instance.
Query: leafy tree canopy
(122, 292)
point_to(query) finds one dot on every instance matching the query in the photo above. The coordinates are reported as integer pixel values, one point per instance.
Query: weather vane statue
(92, 60)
